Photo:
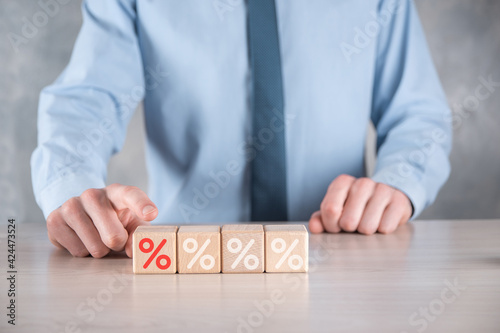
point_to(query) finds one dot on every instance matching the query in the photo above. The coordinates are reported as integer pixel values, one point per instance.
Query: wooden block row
(237, 248)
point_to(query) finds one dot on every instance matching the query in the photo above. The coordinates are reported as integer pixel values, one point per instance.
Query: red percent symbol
(155, 253)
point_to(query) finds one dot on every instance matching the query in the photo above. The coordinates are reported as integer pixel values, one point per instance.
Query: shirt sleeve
(83, 115)
(409, 110)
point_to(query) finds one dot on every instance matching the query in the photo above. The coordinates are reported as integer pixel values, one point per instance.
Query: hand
(360, 204)
(100, 220)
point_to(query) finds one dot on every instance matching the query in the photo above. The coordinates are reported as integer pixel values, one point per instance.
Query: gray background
(463, 35)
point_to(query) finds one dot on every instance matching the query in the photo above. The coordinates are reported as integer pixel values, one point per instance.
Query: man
(254, 110)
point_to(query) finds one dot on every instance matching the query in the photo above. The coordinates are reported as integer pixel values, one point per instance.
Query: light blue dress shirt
(344, 64)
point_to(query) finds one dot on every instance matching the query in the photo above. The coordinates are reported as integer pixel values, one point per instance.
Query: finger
(132, 222)
(54, 241)
(50, 224)
(392, 218)
(133, 226)
(403, 201)
(359, 194)
(133, 198)
(83, 226)
(397, 212)
(375, 209)
(333, 204)
(61, 234)
(315, 224)
(102, 214)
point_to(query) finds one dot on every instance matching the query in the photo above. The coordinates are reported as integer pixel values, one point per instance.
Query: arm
(411, 116)
(82, 121)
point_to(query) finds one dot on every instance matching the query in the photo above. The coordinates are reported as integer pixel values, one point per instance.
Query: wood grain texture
(242, 248)
(355, 283)
(164, 236)
(287, 248)
(198, 249)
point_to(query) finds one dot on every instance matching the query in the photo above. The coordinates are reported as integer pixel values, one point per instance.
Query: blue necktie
(268, 167)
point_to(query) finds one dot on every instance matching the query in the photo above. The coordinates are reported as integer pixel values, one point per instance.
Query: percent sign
(190, 245)
(155, 253)
(248, 258)
(278, 245)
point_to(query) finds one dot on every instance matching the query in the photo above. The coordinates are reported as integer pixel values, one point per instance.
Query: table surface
(432, 276)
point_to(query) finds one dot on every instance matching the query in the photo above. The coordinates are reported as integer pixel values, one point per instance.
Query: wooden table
(429, 276)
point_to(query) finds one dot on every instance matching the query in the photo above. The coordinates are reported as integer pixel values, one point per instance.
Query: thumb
(136, 222)
(315, 223)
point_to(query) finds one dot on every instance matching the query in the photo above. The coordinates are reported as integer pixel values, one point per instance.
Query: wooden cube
(154, 250)
(198, 249)
(242, 248)
(287, 248)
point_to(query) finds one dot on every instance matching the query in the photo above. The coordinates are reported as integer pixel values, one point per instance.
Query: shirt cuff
(58, 192)
(410, 186)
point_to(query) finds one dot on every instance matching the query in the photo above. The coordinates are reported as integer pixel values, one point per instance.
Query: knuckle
(384, 189)
(125, 215)
(342, 180)
(52, 221)
(400, 198)
(348, 223)
(114, 241)
(331, 211)
(345, 177)
(54, 226)
(366, 230)
(92, 195)
(131, 189)
(386, 229)
(53, 240)
(98, 251)
(113, 186)
(363, 182)
(70, 207)
(79, 252)
(331, 228)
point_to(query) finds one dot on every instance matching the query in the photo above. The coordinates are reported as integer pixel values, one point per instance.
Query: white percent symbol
(190, 245)
(278, 245)
(248, 258)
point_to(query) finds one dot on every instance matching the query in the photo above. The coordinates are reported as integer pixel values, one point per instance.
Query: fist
(100, 220)
(360, 204)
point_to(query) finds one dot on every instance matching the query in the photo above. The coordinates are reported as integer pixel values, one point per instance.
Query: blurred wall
(463, 35)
